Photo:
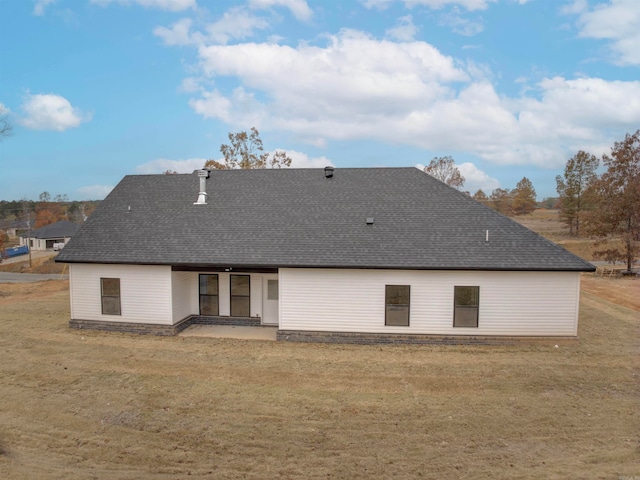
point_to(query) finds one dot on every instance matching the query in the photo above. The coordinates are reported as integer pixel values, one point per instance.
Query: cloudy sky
(98, 89)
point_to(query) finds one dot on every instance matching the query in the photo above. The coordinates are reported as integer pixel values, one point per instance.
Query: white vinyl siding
(181, 293)
(511, 303)
(145, 292)
(149, 294)
(41, 243)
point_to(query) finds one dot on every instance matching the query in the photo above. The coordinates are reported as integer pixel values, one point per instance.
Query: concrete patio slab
(228, 331)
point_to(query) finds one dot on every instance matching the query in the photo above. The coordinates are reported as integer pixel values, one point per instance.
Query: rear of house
(346, 255)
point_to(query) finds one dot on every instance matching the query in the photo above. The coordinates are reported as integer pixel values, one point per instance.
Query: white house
(352, 255)
(44, 238)
(12, 228)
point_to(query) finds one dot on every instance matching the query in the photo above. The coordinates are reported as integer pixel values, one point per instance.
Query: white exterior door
(270, 295)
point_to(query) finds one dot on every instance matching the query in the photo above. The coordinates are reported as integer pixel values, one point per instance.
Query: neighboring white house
(13, 228)
(355, 255)
(46, 238)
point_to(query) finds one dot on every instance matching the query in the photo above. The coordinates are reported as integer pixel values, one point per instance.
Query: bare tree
(6, 129)
(445, 170)
(247, 152)
(616, 220)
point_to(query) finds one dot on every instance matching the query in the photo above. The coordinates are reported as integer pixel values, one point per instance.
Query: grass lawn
(81, 404)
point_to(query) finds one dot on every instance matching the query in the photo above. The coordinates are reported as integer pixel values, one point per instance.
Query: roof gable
(299, 218)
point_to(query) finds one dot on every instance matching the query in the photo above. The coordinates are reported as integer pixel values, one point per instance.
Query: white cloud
(4, 110)
(476, 179)
(378, 4)
(358, 87)
(179, 33)
(575, 8)
(161, 165)
(51, 112)
(190, 85)
(236, 23)
(433, 4)
(353, 86)
(617, 21)
(404, 31)
(299, 8)
(41, 5)
(302, 160)
(95, 192)
(171, 5)
(460, 24)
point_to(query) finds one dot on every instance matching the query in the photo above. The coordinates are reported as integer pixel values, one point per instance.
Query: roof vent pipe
(328, 172)
(202, 195)
(486, 238)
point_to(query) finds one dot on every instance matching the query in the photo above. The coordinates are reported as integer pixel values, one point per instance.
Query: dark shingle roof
(17, 224)
(299, 218)
(61, 229)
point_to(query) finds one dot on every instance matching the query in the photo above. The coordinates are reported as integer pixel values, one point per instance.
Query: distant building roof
(61, 229)
(392, 218)
(10, 224)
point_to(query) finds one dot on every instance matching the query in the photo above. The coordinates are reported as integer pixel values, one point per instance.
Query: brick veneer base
(403, 339)
(162, 330)
(313, 337)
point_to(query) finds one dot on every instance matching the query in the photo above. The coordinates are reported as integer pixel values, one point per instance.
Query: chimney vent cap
(202, 194)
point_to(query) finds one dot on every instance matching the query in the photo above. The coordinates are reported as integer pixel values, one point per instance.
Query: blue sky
(98, 89)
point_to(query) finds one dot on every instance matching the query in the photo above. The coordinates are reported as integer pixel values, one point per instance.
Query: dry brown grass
(39, 264)
(548, 224)
(80, 404)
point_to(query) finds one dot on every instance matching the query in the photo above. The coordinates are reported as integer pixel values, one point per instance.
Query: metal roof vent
(202, 195)
(328, 172)
(369, 220)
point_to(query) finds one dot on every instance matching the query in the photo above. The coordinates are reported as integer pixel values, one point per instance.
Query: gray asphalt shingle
(299, 218)
(61, 229)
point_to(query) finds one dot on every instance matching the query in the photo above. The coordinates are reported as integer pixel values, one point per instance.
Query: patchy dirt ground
(80, 404)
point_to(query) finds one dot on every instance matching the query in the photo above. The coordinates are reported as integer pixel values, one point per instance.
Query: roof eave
(270, 266)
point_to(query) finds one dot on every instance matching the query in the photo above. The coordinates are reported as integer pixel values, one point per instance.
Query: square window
(209, 304)
(240, 295)
(272, 289)
(397, 300)
(240, 285)
(110, 296)
(466, 306)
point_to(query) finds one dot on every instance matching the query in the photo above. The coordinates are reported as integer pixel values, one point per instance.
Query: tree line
(605, 207)
(46, 210)
(519, 201)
